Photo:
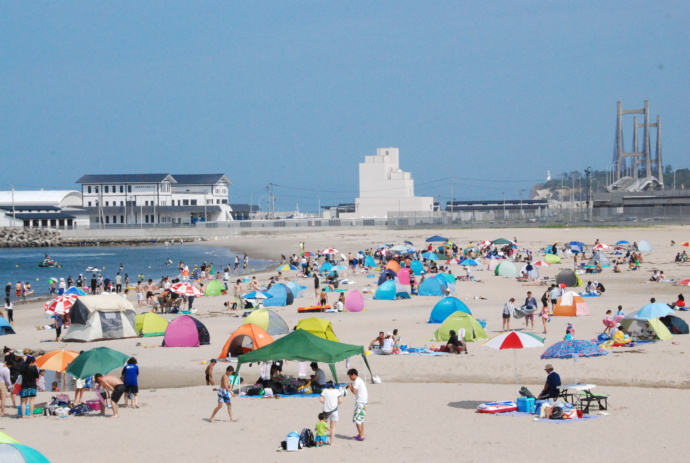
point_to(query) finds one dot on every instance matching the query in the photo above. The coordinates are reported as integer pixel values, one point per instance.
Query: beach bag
(307, 438)
(557, 413)
(254, 390)
(17, 386)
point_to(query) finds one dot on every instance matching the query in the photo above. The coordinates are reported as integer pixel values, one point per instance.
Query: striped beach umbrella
(184, 288)
(60, 304)
(514, 340)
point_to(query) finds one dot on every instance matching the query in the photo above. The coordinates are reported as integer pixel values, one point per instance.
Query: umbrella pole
(516, 372)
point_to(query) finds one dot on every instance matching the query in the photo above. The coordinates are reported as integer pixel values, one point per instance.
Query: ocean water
(21, 264)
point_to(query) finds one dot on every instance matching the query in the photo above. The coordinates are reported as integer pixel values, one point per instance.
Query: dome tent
(445, 307)
(568, 278)
(460, 321)
(101, 317)
(151, 324)
(282, 296)
(552, 259)
(354, 302)
(267, 320)
(644, 246)
(417, 267)
(433, 286)
(186, 331)
(391, 290)
(215, 288)
(506, 269)
(245, 339)
(297, 290)
(570, 304)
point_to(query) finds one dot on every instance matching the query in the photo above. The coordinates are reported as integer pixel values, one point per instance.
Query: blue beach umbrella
(431, 256)
(434, 238)
(471, 262)
(574, 348)
(622, 242)
(257, 295)
(76, 291)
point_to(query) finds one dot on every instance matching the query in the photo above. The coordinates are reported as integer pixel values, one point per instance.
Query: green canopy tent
(303, 346)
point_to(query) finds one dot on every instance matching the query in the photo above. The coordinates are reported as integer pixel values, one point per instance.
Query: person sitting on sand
(654, 277)
(455, 345)
(378, 341)
(616, 269)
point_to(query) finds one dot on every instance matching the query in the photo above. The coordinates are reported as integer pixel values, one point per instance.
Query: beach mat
(584, 418)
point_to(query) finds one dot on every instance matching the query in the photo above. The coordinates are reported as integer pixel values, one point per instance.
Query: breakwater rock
(29, 237)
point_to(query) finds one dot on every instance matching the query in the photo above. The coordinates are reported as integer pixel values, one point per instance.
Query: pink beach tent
(354, 301)
(404, 276)
(186, 331)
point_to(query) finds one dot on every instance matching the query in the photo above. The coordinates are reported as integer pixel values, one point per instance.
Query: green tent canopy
(460, 321)
(150, 324)
(637, 327)
(552, 259)
(302, 346)
(214, 288)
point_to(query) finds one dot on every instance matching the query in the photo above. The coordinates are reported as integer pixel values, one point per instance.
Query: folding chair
(586, 399)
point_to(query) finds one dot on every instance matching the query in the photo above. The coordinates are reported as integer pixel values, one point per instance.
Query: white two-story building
(151, 199)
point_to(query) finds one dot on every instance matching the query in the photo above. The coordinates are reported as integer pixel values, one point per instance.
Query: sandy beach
(424, 409)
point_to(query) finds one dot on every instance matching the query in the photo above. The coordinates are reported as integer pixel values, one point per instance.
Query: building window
(107, 188)
(122, 219)
(88, 189)
(217, 201)
(89, 203)
(185, 202)
(193, 202)
(95, 189)
(122, 203)
(129, 188)
(122, 189)
(107, 203)
(107, 219)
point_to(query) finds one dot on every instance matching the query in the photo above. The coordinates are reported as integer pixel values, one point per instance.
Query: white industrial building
(124, 199)
(385, 188)
(41, 209)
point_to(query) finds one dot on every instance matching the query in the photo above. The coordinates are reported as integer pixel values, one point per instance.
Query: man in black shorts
(114, 388)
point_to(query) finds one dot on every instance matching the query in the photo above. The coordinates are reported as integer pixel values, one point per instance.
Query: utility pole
(588, 173)
(452, 198)
(14, 212)
(268, 201)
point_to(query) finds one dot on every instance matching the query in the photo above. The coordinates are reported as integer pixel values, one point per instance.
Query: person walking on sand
(530, 304)
(114, 388)
(209, 373)
(224, 394)
(331, 398)
(130, 376)
(507, 313)
(359, 389)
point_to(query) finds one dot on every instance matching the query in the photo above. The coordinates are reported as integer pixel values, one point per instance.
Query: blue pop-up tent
(281, 296)
(433, 287)
(445, 307)
(417, 267)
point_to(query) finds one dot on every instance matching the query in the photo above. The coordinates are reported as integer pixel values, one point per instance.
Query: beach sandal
(359, 439)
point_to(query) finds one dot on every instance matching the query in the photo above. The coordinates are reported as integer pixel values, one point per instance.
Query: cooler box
(94, 405)
(538, 404)
(525, 405)
(292, 444)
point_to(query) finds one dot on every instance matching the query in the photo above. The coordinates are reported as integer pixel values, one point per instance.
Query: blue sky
(487, 96)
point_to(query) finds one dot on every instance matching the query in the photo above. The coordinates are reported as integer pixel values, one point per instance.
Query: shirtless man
(114, 388)
(150, 288)
(378, 340)
(224, 394)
